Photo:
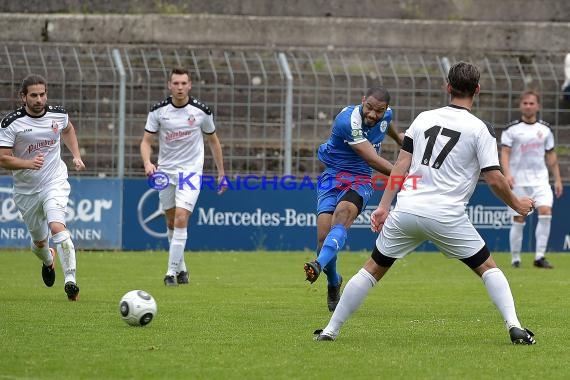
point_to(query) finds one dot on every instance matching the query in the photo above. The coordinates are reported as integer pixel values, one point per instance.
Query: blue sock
(333, 278)
(333, 243)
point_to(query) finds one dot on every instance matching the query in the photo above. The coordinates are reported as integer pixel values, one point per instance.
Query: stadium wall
(114, 214)
(286, 32)
(482, 10)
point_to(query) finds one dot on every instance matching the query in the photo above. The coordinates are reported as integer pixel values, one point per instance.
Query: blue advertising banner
(237, 220)
(253, 218)
(279, 218)
(144, 226)
(93, 219)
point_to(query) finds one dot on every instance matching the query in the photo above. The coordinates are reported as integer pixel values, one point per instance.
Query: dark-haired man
(30, 146)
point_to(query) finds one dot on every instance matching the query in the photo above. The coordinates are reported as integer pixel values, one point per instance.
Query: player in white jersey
(180, 122)
(30, 147)
(527, 149)
(445, 150)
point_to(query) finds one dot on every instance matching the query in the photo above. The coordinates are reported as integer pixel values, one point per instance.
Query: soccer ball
(137, 308)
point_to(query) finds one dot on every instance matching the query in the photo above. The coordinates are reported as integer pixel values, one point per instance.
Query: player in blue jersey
(345, 187)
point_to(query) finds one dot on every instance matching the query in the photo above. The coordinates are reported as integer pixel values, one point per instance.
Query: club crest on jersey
(191, 120)
(54, 127)
(539, 135)
(383, 126)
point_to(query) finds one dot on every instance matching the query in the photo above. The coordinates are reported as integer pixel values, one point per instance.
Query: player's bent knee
(55, 212)
(354, 198)
(60, 237)
(477, 259)
(382, 260)
(39, 243)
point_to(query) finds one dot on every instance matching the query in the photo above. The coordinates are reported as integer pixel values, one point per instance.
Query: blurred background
(239, 53)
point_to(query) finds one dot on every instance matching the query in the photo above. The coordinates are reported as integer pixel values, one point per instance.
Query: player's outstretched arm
(401, 167)
(500, 187)
(399, 170)
(504, 159)
(365, 150)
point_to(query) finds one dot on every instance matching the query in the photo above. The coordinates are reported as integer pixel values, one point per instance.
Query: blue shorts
(332, 187)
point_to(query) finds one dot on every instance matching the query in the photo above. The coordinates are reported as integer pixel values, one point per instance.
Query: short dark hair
(463, 78)
(379, 93)
(179, 70)
(31, 80)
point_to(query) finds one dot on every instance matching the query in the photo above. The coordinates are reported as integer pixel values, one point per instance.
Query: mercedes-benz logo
(145, 220)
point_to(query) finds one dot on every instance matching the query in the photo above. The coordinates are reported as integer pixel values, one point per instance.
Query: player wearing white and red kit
(527, 149)
(181, 122)
(30, 146)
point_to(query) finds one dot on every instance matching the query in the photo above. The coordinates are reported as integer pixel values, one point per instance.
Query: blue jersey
(347, 129)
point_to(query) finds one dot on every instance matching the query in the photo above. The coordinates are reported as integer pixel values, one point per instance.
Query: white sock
(352, 297)
(43, 254)
(176, 251)
(500, 292)
(515, 239)
(66, 253)
(541, 234)
(182, 265)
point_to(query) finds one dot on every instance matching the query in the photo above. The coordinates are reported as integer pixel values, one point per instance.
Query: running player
(30, 146)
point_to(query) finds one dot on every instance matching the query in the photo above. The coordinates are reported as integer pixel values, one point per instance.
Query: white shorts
(403, 232)
(542, 195)
(39, 209)
(185, 197)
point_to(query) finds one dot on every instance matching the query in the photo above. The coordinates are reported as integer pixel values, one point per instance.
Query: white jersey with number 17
(451, 147)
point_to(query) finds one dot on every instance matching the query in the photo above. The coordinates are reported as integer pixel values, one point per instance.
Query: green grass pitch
(251, 316)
